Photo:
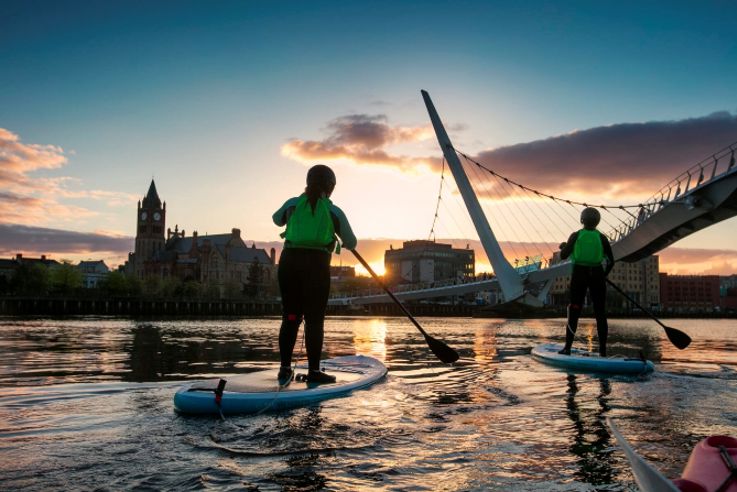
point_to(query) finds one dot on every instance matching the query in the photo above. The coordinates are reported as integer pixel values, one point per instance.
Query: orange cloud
(20, 158)
(38, 200)
(690, 261)
(363, 139)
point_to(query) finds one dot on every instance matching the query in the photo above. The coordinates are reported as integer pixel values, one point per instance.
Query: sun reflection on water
(369, 338)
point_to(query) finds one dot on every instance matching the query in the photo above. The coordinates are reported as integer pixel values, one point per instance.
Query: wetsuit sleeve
(608, 253)
(343, 229)
(280, 217)
(568, 248)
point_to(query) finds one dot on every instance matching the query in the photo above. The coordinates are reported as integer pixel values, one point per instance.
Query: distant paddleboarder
(313, 222)
(588, 250)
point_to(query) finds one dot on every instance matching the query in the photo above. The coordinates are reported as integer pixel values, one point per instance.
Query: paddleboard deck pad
(583, 361)
(259, 391)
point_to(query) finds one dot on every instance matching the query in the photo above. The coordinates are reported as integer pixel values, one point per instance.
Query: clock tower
(150, 217)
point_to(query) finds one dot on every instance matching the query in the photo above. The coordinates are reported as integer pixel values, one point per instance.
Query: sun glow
(376, 266)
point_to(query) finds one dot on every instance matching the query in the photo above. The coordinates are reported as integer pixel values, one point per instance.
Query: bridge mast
(509, 279)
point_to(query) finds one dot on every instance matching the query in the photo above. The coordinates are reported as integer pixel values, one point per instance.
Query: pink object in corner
(707, 470)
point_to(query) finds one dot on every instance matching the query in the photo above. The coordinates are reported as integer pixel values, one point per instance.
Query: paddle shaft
(386, 289)
(616, 287)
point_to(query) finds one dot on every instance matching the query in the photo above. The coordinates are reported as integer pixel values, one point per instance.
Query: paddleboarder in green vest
(314, 225)
(592, 258)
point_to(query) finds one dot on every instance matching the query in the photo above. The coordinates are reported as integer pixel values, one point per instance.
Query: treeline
(40, 280)
(66, 280)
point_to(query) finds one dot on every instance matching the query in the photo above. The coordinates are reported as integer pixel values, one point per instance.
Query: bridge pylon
(510, 281)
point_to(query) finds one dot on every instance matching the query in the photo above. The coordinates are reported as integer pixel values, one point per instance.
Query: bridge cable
(503, 216)
(552, 197)
(545, 221)
(437, 205)
(512, 199)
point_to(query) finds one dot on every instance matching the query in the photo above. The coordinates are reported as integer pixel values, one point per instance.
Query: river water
(86, 403)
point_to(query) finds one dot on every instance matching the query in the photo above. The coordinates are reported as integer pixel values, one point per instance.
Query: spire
(152, 199)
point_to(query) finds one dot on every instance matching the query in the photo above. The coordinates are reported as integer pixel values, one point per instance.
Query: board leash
(279, 386)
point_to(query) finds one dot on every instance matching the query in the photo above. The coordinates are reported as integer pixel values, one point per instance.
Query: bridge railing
(409, 287)
(701, 173)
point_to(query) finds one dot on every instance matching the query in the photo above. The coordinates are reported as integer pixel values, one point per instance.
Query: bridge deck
(711, 201)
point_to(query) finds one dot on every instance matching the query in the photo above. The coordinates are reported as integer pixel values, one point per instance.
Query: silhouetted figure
(588, 249)
(304, 268)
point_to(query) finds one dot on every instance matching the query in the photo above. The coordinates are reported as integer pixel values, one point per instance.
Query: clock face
(144, 215)
(157, 216)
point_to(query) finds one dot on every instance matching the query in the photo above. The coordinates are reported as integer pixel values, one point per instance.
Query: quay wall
(69, 306)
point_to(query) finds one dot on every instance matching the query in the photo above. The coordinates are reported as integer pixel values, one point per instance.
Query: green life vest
(311, 229)
(588, 250)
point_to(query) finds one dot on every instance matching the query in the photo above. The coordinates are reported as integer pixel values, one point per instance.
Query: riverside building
(427, 261)
(689, 293)
(638, 279)
(220, 260)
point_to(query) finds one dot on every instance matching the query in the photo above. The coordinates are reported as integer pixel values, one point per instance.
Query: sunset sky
(227, 104)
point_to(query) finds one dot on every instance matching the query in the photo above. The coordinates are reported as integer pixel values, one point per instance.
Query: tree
(151, 286)
(190, 289)
(115, 284)
(30, 280)
(170, 287)
(255, 280)
(65, 278)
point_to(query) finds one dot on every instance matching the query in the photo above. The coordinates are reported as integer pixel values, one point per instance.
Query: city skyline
(226, 108)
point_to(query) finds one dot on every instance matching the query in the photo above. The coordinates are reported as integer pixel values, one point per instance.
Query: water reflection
(369, 338)
(302, 471)
(147, 355)
(591, 439)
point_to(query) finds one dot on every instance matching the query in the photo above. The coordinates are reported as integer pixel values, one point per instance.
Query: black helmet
(321, 177)
(590, 217)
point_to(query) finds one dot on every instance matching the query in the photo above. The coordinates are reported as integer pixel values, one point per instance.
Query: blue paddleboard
(259, 391)
(583, 361)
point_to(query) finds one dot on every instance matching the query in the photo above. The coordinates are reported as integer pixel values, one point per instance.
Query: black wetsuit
(304, 283)
(593, 279)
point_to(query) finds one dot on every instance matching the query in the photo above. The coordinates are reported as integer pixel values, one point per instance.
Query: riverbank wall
(62, 306)
(68, 306)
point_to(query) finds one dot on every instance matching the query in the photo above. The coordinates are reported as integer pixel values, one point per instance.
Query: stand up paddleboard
(583, 361)
(259, 391)
(710, 468)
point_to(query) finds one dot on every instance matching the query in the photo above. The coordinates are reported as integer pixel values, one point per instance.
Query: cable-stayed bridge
(703, 195)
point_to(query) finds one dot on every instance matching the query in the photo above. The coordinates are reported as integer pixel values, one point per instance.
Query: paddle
(440, 349)
(676, 337)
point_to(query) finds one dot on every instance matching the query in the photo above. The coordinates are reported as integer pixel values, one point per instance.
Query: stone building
(220, 260)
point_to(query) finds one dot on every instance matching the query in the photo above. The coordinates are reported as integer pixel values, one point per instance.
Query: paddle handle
(386, 289)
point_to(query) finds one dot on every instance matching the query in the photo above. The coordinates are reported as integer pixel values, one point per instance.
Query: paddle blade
(677, 337)
(441, 350)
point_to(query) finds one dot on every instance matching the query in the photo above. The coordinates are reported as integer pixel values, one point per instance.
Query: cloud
(15, 238)
(691, 261)
(363, 139)
(20, 158)
(626, 159)
(615, 160)
(34, 199)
